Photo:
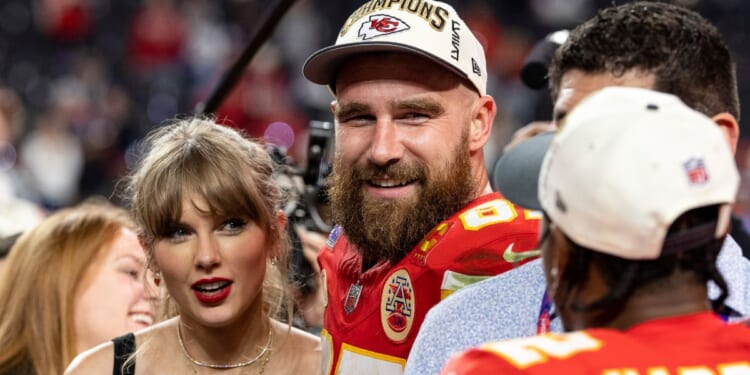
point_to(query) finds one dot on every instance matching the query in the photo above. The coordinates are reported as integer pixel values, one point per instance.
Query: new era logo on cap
(475, 67)
(381, 24)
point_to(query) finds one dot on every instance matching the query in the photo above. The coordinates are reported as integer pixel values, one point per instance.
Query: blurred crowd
(86, 79)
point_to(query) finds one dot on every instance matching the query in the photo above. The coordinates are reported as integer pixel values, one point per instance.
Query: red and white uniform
(372, 318)
(695, 344)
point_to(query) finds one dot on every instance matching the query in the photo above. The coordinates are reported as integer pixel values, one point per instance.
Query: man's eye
(357, 119)
(415, 115)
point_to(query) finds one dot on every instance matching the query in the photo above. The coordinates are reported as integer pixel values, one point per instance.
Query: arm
(435, 342)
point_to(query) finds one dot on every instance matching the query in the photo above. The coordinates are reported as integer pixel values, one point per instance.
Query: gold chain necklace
(231, 365)
(265, 361)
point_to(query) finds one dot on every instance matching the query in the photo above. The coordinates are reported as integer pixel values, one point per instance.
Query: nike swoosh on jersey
(511, 256)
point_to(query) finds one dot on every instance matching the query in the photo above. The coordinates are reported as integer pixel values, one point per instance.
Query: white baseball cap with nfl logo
(624, 165)
(431, 29)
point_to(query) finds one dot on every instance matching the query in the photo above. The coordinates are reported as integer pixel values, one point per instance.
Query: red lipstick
(212, 291)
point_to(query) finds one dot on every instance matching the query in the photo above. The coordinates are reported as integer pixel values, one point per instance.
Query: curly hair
(686, 54)
(624, 277)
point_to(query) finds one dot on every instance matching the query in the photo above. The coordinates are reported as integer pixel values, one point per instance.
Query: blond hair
(232, 173)
(41, 274)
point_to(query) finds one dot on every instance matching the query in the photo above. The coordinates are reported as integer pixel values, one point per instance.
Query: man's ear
(333, 106)
(729, 126)
(481, 123)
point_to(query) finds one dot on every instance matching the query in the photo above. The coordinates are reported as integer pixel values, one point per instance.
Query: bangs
(228, 190)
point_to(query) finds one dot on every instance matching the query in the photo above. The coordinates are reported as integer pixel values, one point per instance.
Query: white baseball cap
(626, 163)
(431, 29)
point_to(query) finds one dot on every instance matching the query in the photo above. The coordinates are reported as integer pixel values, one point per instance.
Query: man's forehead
(577, 84)
(397, 66)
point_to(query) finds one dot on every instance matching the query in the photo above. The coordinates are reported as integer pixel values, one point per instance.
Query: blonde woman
(209, 210)
(72, 282)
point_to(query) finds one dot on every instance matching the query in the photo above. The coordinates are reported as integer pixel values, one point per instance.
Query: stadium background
(93, 76)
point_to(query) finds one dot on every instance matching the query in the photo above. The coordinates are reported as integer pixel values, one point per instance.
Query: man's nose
(386, 146)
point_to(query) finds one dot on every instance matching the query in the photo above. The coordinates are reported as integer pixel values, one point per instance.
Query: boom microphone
(260, 34)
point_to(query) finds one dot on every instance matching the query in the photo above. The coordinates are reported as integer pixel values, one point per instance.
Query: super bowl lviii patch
(333, 237)
(397, 306)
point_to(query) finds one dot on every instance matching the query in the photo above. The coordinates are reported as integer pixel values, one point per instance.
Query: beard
(388, 229)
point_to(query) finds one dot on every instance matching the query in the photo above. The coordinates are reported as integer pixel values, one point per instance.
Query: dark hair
(686, 54)
(623, 276)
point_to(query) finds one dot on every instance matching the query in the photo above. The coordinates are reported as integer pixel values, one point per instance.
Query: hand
(313, 306)
(312, 243)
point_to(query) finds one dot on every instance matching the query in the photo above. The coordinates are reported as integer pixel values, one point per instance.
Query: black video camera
(304, 191)
(304, 187)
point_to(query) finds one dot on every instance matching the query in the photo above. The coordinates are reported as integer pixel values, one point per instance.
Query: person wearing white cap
(636, 44)
(409, 191)
(635, 219)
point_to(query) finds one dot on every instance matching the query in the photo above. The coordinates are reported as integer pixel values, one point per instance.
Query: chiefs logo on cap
(379, 25)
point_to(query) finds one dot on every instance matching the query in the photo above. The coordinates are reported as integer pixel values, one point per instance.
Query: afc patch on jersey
(397, 306)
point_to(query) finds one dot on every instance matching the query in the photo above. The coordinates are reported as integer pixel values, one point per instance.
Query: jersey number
(493, 212)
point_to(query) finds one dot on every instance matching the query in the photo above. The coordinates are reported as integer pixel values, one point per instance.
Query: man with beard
(409, 191)
(652, 45)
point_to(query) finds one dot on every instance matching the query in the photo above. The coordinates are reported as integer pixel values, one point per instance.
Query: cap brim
(322, 66)
(516, 173)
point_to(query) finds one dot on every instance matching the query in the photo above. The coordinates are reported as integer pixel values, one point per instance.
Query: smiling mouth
(390, 183)
(141, 318)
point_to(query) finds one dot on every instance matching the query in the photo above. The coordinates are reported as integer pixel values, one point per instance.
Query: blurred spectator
(16, 214)
(156, 35)
(53, 158)
(65, 20)
(261, 104)
(75, 280)
(208, 45)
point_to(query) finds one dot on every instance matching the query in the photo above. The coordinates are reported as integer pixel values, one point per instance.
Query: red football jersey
(695, 344)
(372, 318)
